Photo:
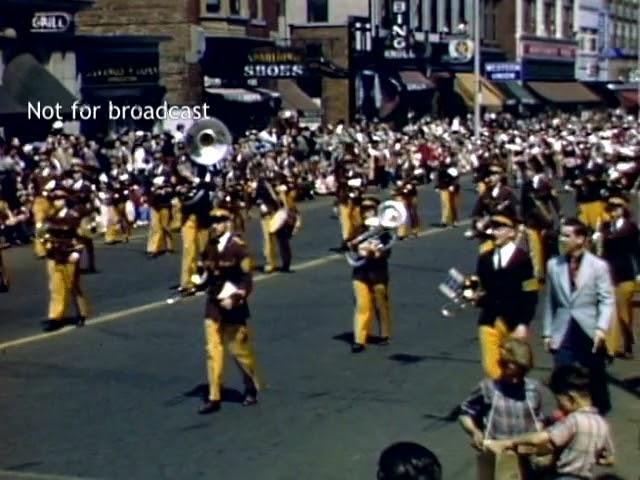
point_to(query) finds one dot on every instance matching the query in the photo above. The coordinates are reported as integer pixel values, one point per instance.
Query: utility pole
(476, 69)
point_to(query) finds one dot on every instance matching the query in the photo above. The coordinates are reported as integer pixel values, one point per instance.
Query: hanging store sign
(398, 43)
(51, 22)
(550, 50)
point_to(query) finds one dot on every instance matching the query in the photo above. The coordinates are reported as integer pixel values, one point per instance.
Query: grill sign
(399, 37)
(51, 22)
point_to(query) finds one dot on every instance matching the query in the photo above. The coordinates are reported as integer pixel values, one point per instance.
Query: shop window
(212, 6)
(317, 11)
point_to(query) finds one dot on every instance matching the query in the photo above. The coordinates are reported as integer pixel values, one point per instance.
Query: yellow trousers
(268, 245)
(64, 286)
(350, 219)
(194, 241)
(590, 212)
(368, 297)
(41, 208)
(118, 227)
(236, 337)
(491, 337)
(176, 216)
(536, 252)
(412, 225)
(620, 338)
(160, 238)
(448, 207)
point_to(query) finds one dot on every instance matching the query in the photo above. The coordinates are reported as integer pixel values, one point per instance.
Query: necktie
(574, 265)
(498, 259)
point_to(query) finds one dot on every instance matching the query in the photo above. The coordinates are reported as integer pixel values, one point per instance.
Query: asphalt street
(118, 399)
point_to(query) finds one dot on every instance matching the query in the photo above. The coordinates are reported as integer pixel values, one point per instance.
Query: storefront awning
(416, 81)
(564, 92)
(27, 81)
(516, 93)
(628, 98)
(491, 97)
(294, 98)
(236, 94)
(8, 105)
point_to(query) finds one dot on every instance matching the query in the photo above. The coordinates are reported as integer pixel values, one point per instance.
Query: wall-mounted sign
(111, 66)
(548, 50)
(398, 44)
(460, 50)
(274, 62)
(51, 22)
(503, 71)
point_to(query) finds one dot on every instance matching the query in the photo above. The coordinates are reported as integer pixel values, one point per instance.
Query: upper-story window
(317, 11)
(234, 7)
(212, 6)
(529, 16)
(567, 21)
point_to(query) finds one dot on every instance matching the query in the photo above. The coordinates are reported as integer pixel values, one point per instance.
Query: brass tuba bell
(208, 141)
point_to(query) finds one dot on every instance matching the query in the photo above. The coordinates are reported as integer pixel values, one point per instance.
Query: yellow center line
(110, 317)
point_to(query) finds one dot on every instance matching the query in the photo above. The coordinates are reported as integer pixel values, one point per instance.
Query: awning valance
(294, 98)
(236, 94)
(516, 93)
(490, 97)
(27, 81)
(629, 99)
(416, 81)
(564, 92)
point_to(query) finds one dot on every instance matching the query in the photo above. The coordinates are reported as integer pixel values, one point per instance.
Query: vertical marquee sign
(398, 42)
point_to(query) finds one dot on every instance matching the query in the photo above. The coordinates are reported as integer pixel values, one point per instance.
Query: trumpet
(461, 290)
(391, 215)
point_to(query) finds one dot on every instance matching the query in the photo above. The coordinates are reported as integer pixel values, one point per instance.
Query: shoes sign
(51, 22)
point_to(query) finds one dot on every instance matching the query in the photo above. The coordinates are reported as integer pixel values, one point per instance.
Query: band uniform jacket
(621, 250)
(232, 264)
(374, 270)
(510, 292)
(62, 235)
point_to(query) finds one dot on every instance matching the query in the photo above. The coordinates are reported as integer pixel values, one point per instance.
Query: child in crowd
(581, 440)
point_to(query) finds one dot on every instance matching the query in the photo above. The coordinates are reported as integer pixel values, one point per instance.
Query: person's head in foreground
(570, 385)
(408, 461)
(516, 359)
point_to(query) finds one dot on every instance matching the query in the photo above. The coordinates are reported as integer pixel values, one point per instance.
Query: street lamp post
(476, 69)
(637, 79)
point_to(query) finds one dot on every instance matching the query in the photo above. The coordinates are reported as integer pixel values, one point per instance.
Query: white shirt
(223, 240)
(619, 223)
(503, 254)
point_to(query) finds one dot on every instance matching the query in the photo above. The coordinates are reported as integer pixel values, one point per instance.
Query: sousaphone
(208, 142)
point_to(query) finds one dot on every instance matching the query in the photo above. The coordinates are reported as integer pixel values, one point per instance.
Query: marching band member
(508, 293)
(119, 227)
(228, 269)
(539, 206)
(370, 281)
(449, 188)
(62, 243)
(160, 195)
(5, 217)
(41, 206)
(589, 190)
(195, 202)
(497, 199)
(406, 191)
(82, 202)
(619, 240)
(268, 203)
(349, 190)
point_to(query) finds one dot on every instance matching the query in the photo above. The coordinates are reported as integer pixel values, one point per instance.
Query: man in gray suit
(579, 304)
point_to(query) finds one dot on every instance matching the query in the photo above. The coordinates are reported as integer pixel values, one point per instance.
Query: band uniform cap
(502, 221)
(220, 214)
(618, 201)
(369, 203)
(496, 169)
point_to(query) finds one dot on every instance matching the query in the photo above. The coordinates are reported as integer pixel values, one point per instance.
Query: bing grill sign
(50, 22)
(270, 62)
